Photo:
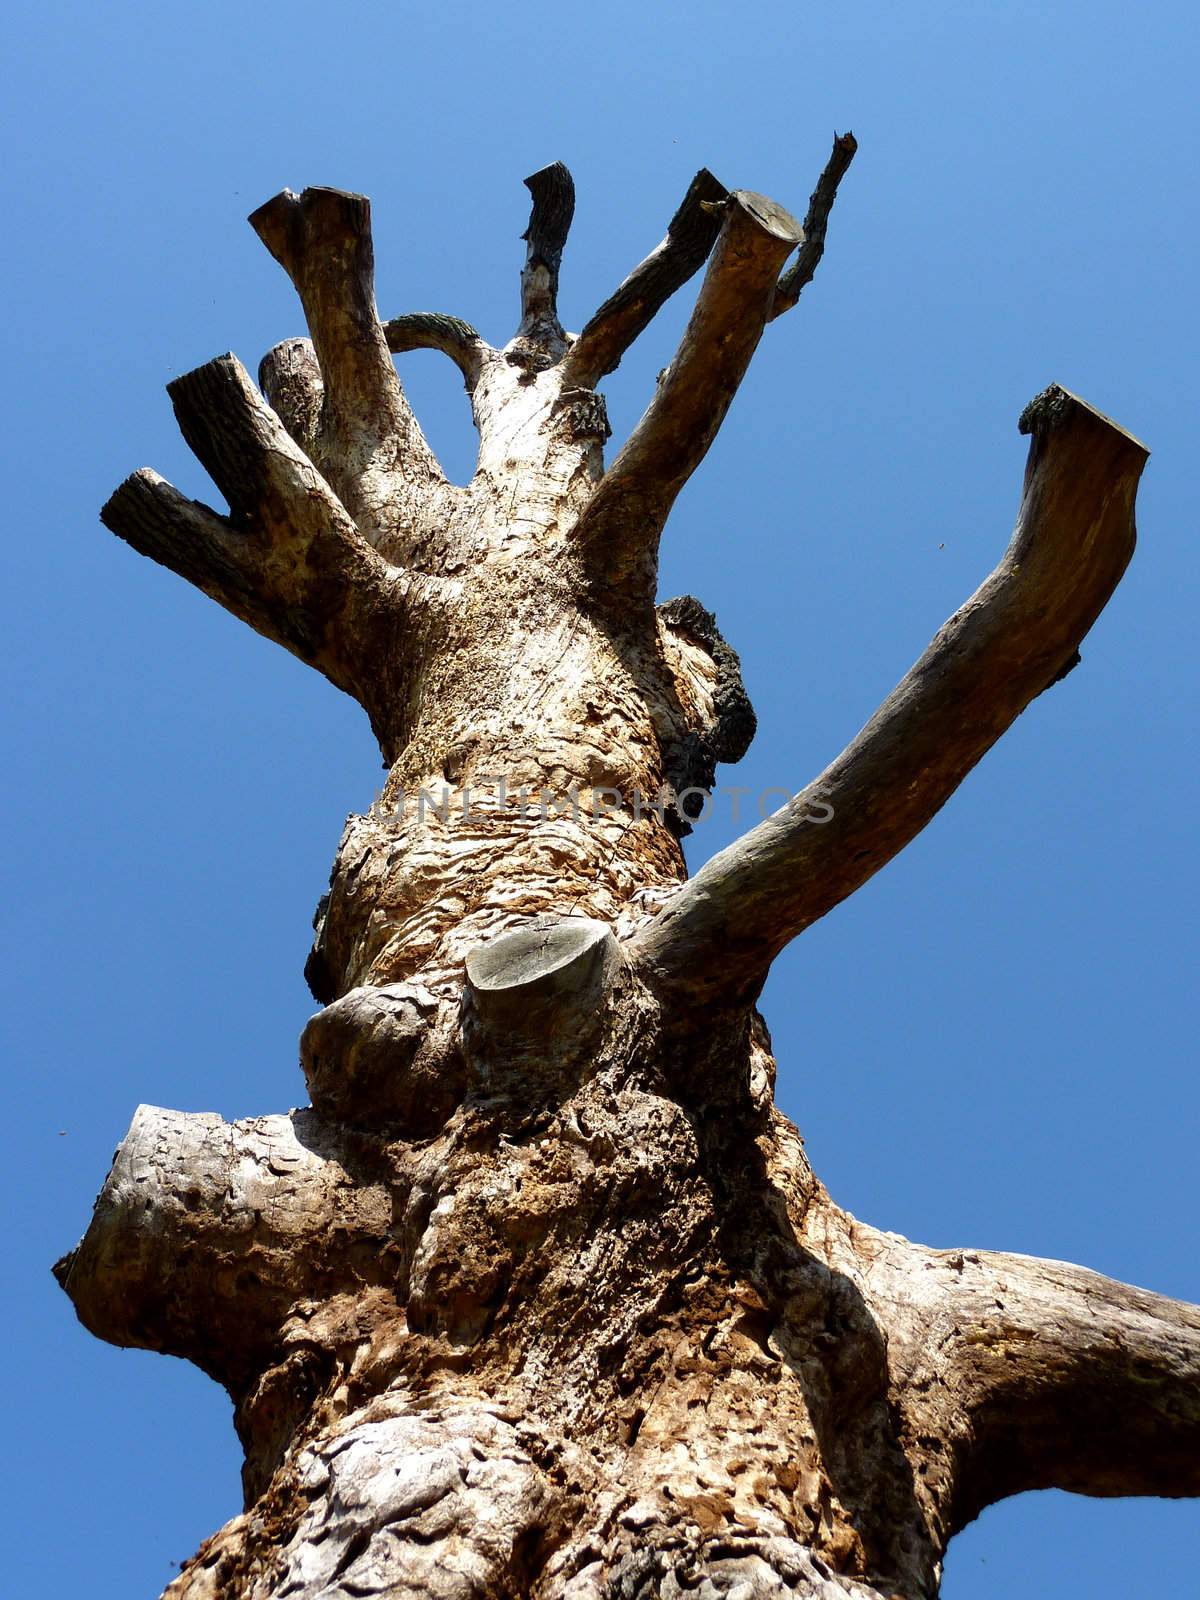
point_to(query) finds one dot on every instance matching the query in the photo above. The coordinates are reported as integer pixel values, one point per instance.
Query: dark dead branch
(816, 223)
(631, 307)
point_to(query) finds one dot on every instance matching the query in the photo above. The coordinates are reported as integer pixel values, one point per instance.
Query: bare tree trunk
(540, 1297)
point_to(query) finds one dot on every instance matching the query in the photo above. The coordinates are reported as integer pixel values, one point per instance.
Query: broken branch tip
(1054, 406)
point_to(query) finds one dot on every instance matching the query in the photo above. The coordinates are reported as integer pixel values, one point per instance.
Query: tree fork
(541, 1297)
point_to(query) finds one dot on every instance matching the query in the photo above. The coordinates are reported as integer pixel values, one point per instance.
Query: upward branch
(691, 234)
(742, 290)
(370, 444)
(618, 531)
(290, 377)
(816, 223)
(1019, 632)
(553, 191)
(288, 560)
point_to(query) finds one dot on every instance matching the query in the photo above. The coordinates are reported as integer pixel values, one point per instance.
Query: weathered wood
(714, 942)
(538, 1007)
(191, 539)
(430, 330)
(290, 378)
(553, 192)
(207, 1233)
(1025, 1374)
(371, 446)
(289, 560)
(560, 963)
(690, 763)
(372, 1059)
(265, 477)
(542, 1297)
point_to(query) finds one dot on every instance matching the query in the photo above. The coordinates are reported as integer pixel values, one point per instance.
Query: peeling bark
(541, 1297)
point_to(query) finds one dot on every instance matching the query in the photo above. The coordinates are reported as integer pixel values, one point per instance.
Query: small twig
(816, 222)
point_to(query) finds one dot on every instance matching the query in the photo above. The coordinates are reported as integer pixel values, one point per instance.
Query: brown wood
(816, 224)
(540, 1300)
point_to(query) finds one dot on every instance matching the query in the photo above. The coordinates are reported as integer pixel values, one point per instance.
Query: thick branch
(288, 560)
(816, 222)
(691, 234)
(1050, 1376)
(430, 330)
(191, 539)
(619, 527)
(206, 1233)
(1075, 534)
(553, 191)
(322, 240)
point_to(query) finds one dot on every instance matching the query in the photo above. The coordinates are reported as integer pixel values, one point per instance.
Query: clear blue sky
(993, 1043)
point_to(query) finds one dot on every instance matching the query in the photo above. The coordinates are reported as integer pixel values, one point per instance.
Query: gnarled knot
(583, 413)
(384, 1055)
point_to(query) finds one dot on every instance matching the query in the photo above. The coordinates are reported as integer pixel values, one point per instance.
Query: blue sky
(993, 1043)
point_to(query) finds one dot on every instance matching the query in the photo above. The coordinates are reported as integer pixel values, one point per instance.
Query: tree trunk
(541, 1297)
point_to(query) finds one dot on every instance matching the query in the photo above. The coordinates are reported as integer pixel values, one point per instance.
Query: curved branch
(1046, 1375)
(816, 222)
(691, 234)
(618, 531)
(430, 330)
(289, 561)
(714, 942)
(553, 191)
(322, 240)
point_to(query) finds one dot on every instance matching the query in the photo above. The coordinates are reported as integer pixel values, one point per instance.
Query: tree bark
(540, 1297)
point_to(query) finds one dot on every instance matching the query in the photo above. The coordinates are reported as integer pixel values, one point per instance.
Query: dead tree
(540, 1297)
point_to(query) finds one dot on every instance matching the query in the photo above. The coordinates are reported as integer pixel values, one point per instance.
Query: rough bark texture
(540, 1297)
